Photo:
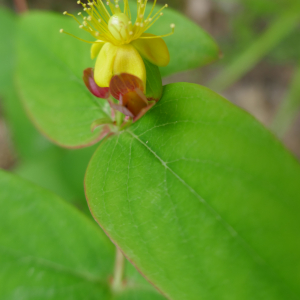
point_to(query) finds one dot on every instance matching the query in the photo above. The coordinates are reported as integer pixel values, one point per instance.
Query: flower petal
(154, 50)
(128, 60)
(104, 68)
(96, 47)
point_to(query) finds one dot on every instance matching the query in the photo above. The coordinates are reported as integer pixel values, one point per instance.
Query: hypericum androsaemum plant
(198, 195)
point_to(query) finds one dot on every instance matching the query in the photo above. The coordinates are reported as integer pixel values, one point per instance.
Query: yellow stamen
(107, 22)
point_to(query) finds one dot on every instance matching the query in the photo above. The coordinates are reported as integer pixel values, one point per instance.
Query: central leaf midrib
(217, 216)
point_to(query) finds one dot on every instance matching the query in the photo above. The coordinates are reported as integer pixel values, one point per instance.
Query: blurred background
(259, 71)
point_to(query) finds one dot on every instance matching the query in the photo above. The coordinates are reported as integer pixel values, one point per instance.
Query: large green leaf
(49, 76)
(202, 199)
(45, 170)
(136, 294)
(7, 36)
(28, 142)
(49, 250)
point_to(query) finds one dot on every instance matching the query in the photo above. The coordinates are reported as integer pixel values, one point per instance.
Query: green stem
(119, 118)
(117, 284)
(254, 53)
(289, 108)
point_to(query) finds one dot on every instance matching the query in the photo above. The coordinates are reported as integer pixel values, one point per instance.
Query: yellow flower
(121, 44)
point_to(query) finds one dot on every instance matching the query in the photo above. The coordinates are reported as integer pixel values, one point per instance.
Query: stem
(289, 108)
(117, 284)
(21, 6)
(255, 52)
(119, 118)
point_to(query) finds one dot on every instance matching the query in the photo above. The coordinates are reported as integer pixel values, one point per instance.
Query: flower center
(120, 27)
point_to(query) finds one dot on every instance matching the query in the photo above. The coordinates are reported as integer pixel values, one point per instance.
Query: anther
(172, 26)
(65, 12)
(61, 31)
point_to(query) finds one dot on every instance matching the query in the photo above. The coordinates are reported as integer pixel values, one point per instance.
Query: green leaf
(190, 46)
(154, 82)
(73, 166)
(139, 295)
(202, 199)
(47, 171)
(28, 142)
(48, 249)
(49, 76)
(137, 287)
(7, 36)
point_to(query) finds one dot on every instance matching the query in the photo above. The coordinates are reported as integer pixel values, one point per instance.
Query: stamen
(98, 16)
(85, 41)
(159, 36)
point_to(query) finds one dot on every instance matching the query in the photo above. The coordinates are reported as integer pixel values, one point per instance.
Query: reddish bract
(125, 88)
(88, 78)
(123, 84)
(129, 90)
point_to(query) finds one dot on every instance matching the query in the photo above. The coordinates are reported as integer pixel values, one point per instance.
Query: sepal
(129, 91)
(88, 78)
